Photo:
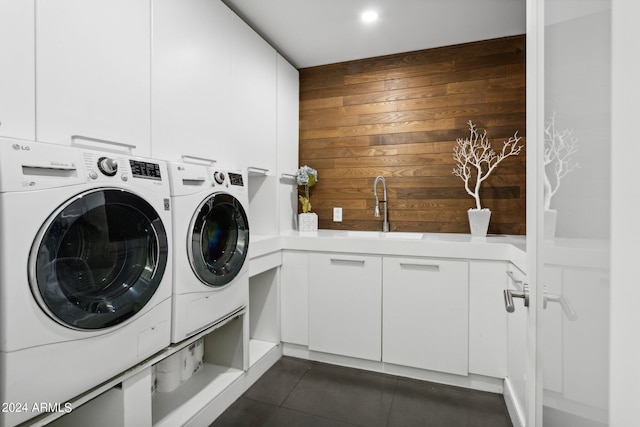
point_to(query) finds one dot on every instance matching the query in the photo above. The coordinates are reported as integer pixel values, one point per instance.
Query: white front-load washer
(211, 242)
(85, 271)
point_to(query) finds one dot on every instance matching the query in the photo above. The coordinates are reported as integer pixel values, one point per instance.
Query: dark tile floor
(301, 393)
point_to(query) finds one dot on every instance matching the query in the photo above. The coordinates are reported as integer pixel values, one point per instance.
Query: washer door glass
(99, 259)
(219, 240)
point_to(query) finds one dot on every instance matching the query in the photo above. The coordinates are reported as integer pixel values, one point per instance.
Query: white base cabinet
(345, 300)
(426, 314)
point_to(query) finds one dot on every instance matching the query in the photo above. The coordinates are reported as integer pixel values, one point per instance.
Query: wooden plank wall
(399, 116)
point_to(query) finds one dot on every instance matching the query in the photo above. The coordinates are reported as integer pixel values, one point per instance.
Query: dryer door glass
(99, 259)
(219, 240)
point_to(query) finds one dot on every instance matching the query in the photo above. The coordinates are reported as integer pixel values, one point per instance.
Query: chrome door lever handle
(509, 295)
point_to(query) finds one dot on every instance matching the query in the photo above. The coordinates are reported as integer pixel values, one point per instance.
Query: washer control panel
(105, 166)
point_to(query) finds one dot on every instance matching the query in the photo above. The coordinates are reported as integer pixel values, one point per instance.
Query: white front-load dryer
(211, 242)
(85, 271)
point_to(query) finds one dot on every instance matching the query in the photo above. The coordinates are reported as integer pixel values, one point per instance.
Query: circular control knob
(93, 175)
(219, 177)
(107, 166)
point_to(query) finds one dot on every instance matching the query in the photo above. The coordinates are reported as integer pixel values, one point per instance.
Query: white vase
(308, 221)
(550, 219)
(479, 221)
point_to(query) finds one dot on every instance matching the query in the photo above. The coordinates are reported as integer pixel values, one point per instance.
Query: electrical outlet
(337, 214)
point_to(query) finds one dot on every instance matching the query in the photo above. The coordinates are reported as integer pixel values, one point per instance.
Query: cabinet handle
(251, 170)
(193, 181)
(198, 160)
(417, 266)
(346, 261)
(513, 277)
(129, 147)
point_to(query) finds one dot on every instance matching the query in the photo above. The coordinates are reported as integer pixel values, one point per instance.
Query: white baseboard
(514, 406)
(471, 381)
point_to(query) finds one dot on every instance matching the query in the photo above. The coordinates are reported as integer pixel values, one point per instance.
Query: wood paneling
(399, 116)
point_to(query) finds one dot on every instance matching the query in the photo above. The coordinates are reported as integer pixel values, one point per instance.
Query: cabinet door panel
(17, 69)
(253, 106)
(191, 78)
(287, 144)
(345, 305)
(517, 330)
(487, 318)
(295, 297)
(93, 79)
(425, 314)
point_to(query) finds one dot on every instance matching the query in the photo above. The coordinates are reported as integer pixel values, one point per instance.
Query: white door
(568, 250)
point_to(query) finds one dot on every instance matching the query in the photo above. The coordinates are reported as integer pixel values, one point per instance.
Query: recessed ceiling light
(369, 16)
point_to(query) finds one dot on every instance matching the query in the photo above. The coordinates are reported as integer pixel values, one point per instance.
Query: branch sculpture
(475, 156)
(559, 148)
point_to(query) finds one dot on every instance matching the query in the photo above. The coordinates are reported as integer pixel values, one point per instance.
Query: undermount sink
(359, 233)
(401, 235)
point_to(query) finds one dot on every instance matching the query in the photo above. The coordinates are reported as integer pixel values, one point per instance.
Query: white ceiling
(318, 32)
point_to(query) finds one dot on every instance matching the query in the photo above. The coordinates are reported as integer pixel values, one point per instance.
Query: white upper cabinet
(287, 140)
(191, 80)
(288, 111)
(17, 69)
(93, 61)
(254, 104)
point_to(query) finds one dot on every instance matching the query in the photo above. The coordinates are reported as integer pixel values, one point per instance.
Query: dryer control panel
(149, 170)
(235, 179)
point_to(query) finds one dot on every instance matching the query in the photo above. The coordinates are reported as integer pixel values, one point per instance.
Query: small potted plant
(475, 160)
(306, 178)
(559, 149)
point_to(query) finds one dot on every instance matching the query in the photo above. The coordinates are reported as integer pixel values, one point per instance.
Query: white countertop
(433, 245)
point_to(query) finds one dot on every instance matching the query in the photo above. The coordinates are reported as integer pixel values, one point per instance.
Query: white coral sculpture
(559, 149)
(475, 156)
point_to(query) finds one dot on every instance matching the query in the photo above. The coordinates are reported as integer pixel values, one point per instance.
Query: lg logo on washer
(21, 147)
